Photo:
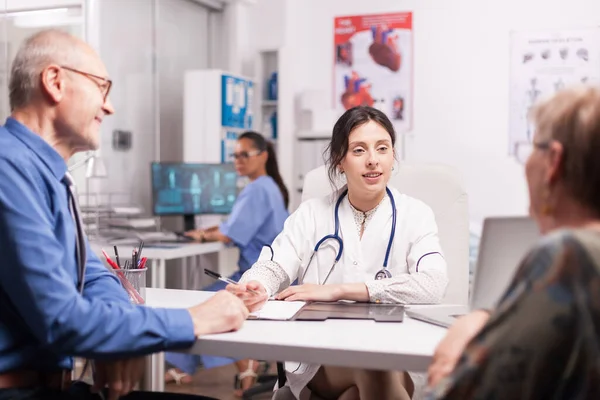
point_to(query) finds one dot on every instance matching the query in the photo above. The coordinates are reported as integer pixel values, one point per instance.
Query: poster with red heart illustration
(373, 65)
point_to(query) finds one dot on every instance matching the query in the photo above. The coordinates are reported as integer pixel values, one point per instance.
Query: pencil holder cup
(134, 282)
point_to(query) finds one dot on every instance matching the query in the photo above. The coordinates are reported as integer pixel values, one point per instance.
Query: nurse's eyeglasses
(244, 155)
(524, 149)
(104, 84)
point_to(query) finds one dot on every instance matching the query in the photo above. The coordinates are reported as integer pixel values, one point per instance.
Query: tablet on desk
(321, 311)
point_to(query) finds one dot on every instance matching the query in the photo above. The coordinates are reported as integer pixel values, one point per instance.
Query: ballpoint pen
(217, 276)
(139, 254)
(117, 256)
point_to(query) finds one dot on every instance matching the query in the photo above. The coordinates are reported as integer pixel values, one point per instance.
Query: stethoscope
(381, 274)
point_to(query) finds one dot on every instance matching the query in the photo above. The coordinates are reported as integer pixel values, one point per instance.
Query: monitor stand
(189, 222)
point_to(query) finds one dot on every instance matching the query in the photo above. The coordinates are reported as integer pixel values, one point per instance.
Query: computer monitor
(188, 189)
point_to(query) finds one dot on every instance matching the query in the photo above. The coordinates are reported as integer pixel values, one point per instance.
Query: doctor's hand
(244, 291)
(310, 292)
(120, 377)
(450, 349)
(223, 312)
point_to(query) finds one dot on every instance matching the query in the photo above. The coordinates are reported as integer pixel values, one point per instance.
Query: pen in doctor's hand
(214, 275)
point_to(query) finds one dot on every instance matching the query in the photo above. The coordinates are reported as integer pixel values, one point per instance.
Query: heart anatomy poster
(373, 65)
(543, 62)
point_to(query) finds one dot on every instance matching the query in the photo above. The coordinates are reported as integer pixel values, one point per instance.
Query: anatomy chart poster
(542, 62)
(373, 65)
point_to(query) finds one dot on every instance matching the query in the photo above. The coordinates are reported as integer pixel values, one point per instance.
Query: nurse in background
(362, 150)
(256, 219)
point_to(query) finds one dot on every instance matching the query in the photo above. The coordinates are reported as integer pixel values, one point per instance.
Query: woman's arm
(540, 338)
(212, 234)
(427, 278)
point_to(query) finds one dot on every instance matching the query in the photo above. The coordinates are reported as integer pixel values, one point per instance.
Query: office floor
(214, 382)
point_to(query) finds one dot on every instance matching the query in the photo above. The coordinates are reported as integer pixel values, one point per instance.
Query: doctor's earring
(547, 209)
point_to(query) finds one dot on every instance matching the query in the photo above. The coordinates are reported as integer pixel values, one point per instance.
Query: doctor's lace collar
(362, 218)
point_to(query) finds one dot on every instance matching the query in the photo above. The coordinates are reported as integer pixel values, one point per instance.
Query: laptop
(505, 241)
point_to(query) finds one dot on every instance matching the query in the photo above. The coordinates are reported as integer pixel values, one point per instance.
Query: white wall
(461, 79)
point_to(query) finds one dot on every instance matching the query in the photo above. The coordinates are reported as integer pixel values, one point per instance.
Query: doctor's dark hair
(350, 120)
(261, 144)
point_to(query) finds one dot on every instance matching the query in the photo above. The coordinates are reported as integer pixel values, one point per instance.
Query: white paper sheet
(278, 310)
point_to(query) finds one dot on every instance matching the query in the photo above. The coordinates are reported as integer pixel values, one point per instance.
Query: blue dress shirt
(44, 321)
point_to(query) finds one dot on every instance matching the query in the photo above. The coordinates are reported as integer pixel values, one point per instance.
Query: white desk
(158, 255)
(362, 344)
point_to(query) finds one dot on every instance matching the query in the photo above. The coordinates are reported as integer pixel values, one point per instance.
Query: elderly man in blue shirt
(57, 300)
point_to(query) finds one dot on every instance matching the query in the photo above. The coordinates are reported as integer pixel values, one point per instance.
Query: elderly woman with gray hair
(543, 339)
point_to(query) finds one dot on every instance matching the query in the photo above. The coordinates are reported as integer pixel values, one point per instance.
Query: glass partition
(19, 24)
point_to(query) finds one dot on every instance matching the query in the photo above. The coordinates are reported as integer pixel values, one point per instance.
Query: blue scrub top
(256, 219)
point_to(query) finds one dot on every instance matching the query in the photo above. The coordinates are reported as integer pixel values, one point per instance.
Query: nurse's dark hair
(262, 144)
(350, 120)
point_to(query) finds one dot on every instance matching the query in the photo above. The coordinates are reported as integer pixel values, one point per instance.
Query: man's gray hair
(36, 53)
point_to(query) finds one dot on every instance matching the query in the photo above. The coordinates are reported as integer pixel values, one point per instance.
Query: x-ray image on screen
(190, 189)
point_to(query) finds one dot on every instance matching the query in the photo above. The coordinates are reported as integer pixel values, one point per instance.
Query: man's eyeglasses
(103, 83)
(523, 150)
(244, 155)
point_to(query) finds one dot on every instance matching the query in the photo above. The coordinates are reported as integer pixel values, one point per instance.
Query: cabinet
(218, 107)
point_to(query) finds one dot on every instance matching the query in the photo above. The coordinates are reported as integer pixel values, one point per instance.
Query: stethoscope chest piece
(383, 274)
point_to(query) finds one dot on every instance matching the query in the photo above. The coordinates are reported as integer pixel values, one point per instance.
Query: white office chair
(440, 187)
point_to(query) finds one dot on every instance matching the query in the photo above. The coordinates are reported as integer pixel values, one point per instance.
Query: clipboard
(321, 311)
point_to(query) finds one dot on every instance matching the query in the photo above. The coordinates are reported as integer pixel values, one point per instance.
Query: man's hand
(120, 377)
(253, 294)
(223, 312)
(450, 349)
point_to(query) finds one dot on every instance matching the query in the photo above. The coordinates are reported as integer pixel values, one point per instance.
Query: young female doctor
(391, 252)
(256, 219)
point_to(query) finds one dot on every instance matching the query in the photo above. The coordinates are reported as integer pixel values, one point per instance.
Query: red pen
(142, 264)
(110, 262)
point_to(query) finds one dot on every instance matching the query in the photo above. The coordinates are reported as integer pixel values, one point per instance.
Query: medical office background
(460, 83)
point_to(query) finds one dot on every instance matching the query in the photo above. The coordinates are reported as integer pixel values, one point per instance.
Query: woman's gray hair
(572, 118)
(36, 53)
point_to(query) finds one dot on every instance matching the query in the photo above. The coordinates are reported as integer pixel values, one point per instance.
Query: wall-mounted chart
(543, 62)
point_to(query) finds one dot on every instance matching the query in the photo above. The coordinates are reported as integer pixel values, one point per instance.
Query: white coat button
(355, 263)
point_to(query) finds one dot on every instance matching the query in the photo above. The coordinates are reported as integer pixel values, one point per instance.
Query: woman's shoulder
(411, 205)
(566, 248)
(566, 237)
(574, 239)
(264, 184)
(318, 206)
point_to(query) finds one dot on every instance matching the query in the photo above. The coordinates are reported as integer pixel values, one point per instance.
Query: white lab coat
(416, 260)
